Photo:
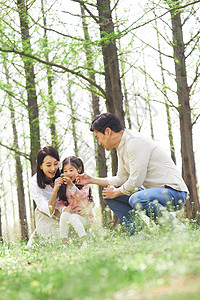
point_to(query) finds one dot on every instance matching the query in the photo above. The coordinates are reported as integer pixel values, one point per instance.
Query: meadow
(158, 265)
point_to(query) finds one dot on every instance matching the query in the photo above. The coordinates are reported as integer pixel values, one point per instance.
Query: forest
(63, 62)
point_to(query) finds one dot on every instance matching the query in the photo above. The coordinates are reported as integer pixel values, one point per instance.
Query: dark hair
(77, 163)
(42, 153)
(102, 121)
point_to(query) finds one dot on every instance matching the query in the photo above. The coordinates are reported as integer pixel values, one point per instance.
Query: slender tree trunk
(3, 198)
(169, 123)
(188, 161)
(1, 234)
(73, 120)
(148, 105)
(99, 150)
(19, 173)
(30, 85)
(11, 193)
(51, 103)
(19, 181)
(32, 204)
(123, 68)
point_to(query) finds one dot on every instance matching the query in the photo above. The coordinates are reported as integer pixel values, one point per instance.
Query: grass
(162, 265)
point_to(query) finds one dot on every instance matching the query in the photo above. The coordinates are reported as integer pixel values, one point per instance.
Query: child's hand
(68, 209)
(82, 179)
(68, 182)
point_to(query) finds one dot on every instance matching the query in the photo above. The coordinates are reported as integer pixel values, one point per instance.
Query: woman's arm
(44, 197)
(52, 200)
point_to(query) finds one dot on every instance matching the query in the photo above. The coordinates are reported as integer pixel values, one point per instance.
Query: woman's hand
(57, 183)
(83, 179)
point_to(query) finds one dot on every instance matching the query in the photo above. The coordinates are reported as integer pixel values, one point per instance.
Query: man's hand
(109, 192)
(83, 179)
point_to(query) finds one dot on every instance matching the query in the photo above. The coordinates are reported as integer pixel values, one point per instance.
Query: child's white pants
(78, 222)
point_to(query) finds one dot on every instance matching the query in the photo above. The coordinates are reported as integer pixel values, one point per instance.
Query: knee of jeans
(179, 204)
(134, 203)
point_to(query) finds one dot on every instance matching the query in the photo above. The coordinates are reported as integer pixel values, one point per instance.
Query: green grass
(164, 265)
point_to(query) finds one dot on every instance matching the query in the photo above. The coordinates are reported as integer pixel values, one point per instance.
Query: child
(75, 201)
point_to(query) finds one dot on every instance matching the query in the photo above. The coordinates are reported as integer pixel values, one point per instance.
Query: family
(147, 179)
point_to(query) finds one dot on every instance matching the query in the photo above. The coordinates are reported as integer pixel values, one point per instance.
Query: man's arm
(87, 179)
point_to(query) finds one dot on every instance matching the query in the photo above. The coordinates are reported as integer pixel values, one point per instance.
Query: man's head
(106, 120)
(107, 129)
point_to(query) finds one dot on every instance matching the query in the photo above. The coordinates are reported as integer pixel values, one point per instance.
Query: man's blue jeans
(150, 200)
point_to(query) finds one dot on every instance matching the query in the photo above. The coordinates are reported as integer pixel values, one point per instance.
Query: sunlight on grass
(112, 266)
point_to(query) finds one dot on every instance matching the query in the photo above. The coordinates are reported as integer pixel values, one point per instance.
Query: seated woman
(44, 186)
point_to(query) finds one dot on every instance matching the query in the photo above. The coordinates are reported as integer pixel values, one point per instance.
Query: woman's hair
(42, 153)
(77, 163)
(102, 121)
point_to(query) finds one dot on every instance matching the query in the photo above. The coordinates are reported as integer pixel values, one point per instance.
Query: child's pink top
(78, 200)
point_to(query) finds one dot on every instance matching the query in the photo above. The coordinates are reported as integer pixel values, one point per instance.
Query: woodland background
(63, 62)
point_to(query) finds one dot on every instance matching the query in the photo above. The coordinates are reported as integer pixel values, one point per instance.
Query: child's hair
(77, 163)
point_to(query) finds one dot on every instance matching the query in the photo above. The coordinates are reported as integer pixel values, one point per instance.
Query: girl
(75, 201)
(44, 186)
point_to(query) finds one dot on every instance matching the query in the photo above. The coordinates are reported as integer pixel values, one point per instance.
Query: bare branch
(89, 12)
(158, 17)
(196, 77)
(77, 73)
(191, 40)
(115, 5)
(17, 151)
(193, 123)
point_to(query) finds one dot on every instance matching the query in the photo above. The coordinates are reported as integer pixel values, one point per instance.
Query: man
(146, 179)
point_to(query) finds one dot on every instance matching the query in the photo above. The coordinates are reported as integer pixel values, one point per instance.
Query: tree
(30, 84)
(100, 151)
(183, 92)
(18, 167)
(50, 102)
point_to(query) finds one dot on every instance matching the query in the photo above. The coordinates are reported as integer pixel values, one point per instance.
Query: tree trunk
(99, 150)
(188, 161)
(1, 236)
(169, 123)
(19, 175)
(73, 120)
(30, 85)
(51, 103)
(19, 180)
(111, 65)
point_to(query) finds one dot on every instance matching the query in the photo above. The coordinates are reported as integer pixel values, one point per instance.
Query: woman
(44, 186)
